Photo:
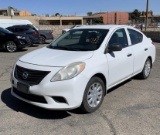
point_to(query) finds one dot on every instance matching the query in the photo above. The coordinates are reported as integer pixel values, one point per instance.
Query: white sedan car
(78, 68)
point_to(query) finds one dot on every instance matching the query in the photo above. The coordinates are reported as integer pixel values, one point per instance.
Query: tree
(135, 15)
(89, 13)
(98, 20)
(57, 14)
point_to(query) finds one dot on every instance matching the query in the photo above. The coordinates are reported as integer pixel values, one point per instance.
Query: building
(114, 17)
(24, 13)
(4, 12)
(60, 20)
(96, 18)
(10, 11)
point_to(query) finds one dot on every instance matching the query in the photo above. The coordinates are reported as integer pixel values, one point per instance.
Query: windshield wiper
(60, 47)
(80, 49)
(69, 48)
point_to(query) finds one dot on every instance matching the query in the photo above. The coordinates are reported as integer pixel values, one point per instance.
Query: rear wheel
(42, 40)
(10, 46)
(93, 95)
(30, 42)
(146, 70)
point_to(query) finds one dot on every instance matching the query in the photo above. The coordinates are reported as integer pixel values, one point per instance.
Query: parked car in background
(78, 68)
(26, 29)
(46, 36)
(158, 25)
(4, 23)
(11, 42)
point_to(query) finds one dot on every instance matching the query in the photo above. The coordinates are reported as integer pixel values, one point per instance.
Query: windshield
(5, 30)
(80, 40)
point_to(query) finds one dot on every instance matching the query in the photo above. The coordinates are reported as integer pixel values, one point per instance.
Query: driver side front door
(120, 63)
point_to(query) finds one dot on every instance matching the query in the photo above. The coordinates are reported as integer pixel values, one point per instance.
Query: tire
(42, 40)
(10, 46)
(30, 42)
(93, 95)
(146, 70)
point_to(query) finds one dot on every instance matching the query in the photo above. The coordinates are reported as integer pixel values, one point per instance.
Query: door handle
(145, 49)
(129, 55)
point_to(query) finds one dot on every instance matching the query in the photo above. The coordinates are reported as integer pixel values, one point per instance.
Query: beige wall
(35, 19)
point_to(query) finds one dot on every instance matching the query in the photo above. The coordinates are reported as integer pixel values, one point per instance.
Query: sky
(80, 7)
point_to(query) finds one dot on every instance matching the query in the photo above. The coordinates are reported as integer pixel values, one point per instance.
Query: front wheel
(93, 95)
(10, 46)
(146, 70)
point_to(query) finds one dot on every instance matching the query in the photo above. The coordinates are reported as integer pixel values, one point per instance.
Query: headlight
(69, 71)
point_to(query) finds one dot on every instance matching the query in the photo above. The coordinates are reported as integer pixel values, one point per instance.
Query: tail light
(52, 33)
(35, 33)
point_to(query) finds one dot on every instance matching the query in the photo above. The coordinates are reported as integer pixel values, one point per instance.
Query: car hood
(53, 57)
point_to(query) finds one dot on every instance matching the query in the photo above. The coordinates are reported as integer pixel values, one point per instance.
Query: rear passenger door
(19, 30)
(139, 49)
(120, 63)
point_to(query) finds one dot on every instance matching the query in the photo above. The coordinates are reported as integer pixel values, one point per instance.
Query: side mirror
(113, 48)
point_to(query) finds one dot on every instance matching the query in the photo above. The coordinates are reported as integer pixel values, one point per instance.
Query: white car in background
(78, 68)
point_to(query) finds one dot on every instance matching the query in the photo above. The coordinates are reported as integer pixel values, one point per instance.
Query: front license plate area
(22, 87)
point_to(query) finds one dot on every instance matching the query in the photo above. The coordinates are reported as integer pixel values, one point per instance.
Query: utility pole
(146, 22)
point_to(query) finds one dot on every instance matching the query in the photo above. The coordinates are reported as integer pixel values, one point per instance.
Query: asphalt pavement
(132, 108)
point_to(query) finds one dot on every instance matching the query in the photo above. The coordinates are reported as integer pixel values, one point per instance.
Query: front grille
(33, 77)
(30, 97)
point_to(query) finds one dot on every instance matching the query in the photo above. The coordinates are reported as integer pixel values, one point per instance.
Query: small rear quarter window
(135, 36)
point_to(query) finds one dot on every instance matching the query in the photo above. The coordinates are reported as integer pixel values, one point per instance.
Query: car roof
(108, 27)
(20, 25)
(102, 26)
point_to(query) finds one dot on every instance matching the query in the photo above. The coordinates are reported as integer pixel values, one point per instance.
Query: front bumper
(60, 95)
(22, 43)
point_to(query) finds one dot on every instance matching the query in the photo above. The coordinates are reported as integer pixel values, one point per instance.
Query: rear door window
(18, 29)
(135, 36)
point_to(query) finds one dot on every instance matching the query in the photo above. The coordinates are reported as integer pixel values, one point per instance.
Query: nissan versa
(78, 68)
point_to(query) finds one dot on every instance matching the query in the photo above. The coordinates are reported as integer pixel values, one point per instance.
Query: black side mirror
(113, 48)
